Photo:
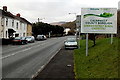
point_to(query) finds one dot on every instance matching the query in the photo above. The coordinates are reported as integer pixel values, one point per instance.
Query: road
(23, 61)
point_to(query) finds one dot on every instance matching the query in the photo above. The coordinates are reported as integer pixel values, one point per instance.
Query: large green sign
(99, 20)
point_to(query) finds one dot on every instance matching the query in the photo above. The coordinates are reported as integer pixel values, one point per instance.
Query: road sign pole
(111, 38)
(87, 44)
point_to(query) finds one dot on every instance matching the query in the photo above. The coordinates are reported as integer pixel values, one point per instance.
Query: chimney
(4, 8)
(18, 15)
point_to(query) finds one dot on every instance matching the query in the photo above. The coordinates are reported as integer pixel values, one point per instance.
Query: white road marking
(22, 51)
(19, 52)
(43, 66)
(38, 71)
(22, 46)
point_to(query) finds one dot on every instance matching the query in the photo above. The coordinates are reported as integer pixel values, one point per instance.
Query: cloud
(52, 10)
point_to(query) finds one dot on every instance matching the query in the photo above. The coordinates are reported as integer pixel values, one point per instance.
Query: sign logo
(105, 15)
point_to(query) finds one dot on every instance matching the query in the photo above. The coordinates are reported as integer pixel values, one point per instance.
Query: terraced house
(13, 25)
(1, 28)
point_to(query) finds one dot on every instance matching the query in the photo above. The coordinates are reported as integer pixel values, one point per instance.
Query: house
(66, 30)
(29, 27)
(1, 28)
(29, 30)
(13, 25)
(21, 27)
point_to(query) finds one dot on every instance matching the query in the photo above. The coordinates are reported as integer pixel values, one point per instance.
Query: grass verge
(102, 61)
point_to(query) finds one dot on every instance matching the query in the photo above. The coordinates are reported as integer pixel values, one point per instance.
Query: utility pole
(40, 19)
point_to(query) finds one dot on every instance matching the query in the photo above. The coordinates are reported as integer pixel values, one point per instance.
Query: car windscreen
(40, 36)
(28, 37)
(23, 38)
(17, 37)
(71, 40)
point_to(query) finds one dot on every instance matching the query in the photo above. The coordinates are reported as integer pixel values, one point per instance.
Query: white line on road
(19, 52)
(22, 51)
(22, 46)
(43, 66)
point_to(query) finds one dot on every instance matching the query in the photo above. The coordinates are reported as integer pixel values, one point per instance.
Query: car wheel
(26, 42)
(34, 41)
(22, 43)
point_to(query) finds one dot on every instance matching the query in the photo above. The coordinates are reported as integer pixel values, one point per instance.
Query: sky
(49, 11)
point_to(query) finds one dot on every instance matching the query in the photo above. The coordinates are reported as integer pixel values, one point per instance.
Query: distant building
(66, 30)
(12, 25)
(119, 5)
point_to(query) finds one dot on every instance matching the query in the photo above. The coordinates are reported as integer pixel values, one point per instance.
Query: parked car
(41, 37)
(19, 40)
(71, 43)
(30, 39)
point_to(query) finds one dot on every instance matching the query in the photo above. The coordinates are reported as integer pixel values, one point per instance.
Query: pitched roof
(25, 20)
(6, 13)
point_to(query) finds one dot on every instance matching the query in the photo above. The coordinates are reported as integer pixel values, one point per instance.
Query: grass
(101, 62)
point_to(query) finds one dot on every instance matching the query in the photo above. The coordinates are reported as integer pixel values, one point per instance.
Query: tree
(44, 28)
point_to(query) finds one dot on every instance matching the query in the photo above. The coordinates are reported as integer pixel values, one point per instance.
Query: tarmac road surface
(23, 61)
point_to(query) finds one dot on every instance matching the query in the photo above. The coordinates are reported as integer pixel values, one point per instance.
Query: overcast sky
(53, 10)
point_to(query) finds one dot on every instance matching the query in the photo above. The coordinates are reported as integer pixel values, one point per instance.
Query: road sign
(99, 20)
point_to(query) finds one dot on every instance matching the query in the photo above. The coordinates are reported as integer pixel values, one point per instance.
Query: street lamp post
(40, 19)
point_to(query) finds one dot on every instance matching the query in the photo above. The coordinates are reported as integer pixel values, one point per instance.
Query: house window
(24, 34)
(12, 23)
(27, 34)
(17, 25)
(6, 21)
(1, 21)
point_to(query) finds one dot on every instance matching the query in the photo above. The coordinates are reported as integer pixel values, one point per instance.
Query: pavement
(61, 67)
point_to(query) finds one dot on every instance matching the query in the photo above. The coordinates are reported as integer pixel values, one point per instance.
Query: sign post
(79, 40)
(78, 25)
(87, 44)
(98, 20)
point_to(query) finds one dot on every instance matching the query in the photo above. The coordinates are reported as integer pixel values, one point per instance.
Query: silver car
(41, 37)
(71, 43)
(30, 39)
